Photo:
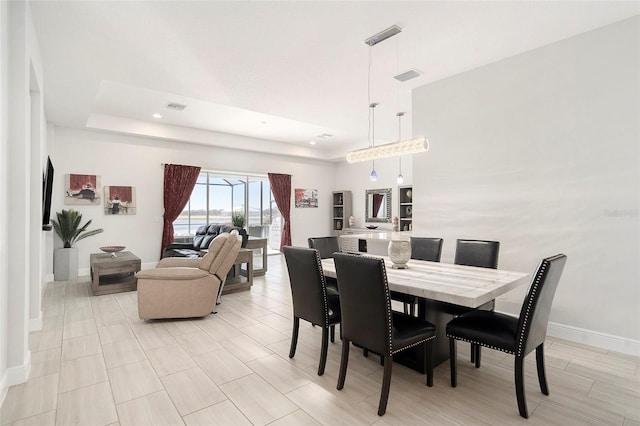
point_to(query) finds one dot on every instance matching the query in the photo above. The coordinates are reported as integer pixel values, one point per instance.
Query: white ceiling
(282, 72)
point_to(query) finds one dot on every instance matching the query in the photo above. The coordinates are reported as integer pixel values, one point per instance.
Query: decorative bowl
(372, 227)
(112, 249)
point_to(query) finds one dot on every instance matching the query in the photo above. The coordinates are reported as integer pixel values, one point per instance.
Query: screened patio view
(244, 201)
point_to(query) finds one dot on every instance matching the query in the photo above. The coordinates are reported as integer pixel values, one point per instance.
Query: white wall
(23, 145)
(136, 161)
(541, 152)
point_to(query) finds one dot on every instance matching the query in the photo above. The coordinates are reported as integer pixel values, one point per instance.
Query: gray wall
(541, 152)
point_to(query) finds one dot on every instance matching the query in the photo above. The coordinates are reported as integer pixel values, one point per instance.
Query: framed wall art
(119, 200)
(82, 189)
(306, 198)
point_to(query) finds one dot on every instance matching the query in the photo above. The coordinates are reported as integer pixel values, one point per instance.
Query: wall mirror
(378, 205)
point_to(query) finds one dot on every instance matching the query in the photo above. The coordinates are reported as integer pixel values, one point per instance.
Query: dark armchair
(204, 235)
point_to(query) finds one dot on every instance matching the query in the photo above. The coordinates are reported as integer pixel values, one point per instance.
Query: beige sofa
(185, 288)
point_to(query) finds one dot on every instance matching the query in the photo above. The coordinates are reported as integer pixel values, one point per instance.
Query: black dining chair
(477, 253)
(514, 335)
(481, 253)
(326, 246)
(422, 248)
(369, 322)
(311, 300)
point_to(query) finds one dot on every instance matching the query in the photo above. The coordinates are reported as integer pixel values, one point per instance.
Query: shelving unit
(405, 209)
(341, 210)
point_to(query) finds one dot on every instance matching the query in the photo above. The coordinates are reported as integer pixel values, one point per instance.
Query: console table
(113, 274)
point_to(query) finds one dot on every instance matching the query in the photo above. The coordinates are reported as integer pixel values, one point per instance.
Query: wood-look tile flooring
(96, 363)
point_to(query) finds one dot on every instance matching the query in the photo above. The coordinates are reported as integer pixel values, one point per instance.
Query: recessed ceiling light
(156, 115)
(325, 136)
(312, 142)
(263, 122)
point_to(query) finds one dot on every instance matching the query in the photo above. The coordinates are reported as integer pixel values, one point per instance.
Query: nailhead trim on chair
(481, 344)
(324, 290)
(534, 289)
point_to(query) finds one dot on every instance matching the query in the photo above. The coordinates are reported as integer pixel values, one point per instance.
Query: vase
(399, 253)
(352, 222)
(65, 264)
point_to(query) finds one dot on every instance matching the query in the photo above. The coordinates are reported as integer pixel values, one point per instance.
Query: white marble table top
(468, 286)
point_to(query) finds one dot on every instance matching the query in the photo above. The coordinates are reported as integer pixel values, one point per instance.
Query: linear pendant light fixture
(394, 149)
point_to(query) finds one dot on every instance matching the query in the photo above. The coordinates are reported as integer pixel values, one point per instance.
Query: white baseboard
(595, 338)
(4, 388)
(16, 375)
(35, 324)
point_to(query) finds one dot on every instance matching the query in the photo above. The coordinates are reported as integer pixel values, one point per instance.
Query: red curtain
(178, 184)
(281, 189)
(377, 202)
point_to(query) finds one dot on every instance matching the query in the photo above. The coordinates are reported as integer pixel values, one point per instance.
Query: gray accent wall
(541, 152)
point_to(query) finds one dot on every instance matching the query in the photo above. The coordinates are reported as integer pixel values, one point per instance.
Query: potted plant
(65, 259)
(238, 219)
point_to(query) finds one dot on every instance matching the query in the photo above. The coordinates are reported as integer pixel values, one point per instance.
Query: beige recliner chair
(185, 288)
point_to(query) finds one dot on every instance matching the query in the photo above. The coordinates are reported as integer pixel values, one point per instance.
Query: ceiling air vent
(175, 106)
(407, 75)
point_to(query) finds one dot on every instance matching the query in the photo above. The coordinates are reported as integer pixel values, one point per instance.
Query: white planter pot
(65, 264)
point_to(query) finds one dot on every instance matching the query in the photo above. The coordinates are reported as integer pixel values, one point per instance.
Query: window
(217, 197)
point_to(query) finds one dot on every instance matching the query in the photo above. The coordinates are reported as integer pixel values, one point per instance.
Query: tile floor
(96, 363)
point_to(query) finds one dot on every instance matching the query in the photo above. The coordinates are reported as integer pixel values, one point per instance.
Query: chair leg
(344, 360)
(386, 384)
(323, 350)
(428, 361)
(406, 308)
(542, 378)
(473, 352)
(294, 337)
(412, 309)
(452, 361)
(519, 373)
(477, 357)
(365, 352)
(333, 333)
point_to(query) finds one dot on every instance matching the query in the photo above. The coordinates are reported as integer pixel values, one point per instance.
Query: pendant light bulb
(400, 179)
(373, 176)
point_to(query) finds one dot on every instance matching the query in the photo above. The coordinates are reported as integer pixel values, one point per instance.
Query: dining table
(444, 291)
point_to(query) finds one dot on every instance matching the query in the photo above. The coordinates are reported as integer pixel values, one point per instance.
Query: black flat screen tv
(47, 188)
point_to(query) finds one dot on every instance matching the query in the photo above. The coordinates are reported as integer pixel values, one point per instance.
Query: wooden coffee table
(114, 274)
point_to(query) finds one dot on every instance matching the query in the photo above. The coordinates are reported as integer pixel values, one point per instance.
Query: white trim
(595, 338)
(35, 324)
(3, 388)
(16, 375)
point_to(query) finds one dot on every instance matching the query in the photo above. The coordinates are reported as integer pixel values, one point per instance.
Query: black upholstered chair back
(477, 253)
(365, 301)
(326, 246)
(308, 288)
(534, 316)
(423, 248)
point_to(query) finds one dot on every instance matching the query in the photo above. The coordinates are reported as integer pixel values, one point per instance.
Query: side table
(114, 274)
(258, 243)
(244, 256)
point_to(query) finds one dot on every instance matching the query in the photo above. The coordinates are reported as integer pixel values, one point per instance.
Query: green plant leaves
(68, 227)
